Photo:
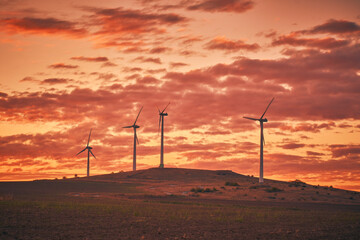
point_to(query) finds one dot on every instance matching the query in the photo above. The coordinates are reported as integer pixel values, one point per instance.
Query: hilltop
(223, 184)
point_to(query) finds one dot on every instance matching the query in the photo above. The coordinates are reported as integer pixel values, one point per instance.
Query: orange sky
(68, 66)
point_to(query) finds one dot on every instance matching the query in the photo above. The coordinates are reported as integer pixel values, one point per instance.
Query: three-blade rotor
(261, 118)
(87, 146)
(161, 113)
(135, 126)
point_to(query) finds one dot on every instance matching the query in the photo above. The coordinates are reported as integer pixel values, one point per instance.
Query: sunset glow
(69, 66)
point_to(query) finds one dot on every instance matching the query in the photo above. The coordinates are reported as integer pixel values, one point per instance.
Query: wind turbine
(161, 120)
(89, 151)
(135, 139)
(262, 141)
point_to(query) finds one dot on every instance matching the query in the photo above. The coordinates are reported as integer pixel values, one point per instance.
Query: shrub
(273, 189)
(297, 183)
(202, 190)
(231, 184)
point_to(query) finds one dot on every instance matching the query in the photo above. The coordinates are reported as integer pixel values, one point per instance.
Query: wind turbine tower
(162, 114)
(262, 141)
(88, 157)
(134, 126)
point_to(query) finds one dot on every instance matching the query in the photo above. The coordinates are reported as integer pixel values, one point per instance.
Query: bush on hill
(231, 184)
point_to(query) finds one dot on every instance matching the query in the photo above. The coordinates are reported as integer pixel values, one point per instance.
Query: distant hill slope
(225, 184)
(173, 174)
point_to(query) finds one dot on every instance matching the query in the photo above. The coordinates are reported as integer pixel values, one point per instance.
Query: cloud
(62, 66)
(222, 43)
(158, 50)
(91, 59)
(334, 26)
(53, 81)
(308, 127)
(148, 59)
(127, 21)
(238, 6)
(292, 145)
(43, 26)
(321, 43)
(178, 64)
(345, 151)
(109, 64)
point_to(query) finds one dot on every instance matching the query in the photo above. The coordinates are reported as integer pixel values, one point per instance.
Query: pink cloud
(222, 43)
(321, 43)
(91, 59)
(148, 59)
(43, 26)
(238, 6)
(335, 27)
(63, 66)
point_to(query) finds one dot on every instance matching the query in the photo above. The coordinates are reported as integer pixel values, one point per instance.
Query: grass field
(71, 209)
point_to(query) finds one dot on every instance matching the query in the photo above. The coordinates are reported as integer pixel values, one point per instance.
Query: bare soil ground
(176, 204)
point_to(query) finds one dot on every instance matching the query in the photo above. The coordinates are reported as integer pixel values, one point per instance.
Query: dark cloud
(53, 81)
(158, 50)
(148, 59)
(237, 6)
(91, 59)
(62, 66)
(347, 151)
(292, 145)
(221, 43)
(178, 64)
(334, 26)
(126, 21)
(321, 43)
(43, 26)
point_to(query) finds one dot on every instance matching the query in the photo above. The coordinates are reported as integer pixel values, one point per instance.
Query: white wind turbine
(262, 141)
(134, 126)
(161, 121)
(89, 151)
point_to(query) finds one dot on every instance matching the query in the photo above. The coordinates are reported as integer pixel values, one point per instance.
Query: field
(149, 205)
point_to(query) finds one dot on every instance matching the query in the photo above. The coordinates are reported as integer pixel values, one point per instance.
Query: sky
(73, 65)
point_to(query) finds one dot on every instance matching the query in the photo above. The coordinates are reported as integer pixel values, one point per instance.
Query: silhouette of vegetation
(203, 190)
(231, 184)
(297, 183)
(273, 189)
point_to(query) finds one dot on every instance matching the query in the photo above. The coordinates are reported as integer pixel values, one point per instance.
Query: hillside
(224, 184)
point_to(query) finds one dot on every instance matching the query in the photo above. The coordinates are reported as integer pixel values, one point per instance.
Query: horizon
(71, 66)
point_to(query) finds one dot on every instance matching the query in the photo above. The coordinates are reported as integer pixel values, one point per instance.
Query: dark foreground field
(75, 209)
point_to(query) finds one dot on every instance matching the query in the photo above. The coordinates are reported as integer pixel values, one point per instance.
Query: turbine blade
(137, 138)
(81, 151)
(251, 118)
(128, 127)
(263, 137)
(89, 138)
(267, 107)
(92, 153)
(158, 109)
(138, 115)
(165, 108)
